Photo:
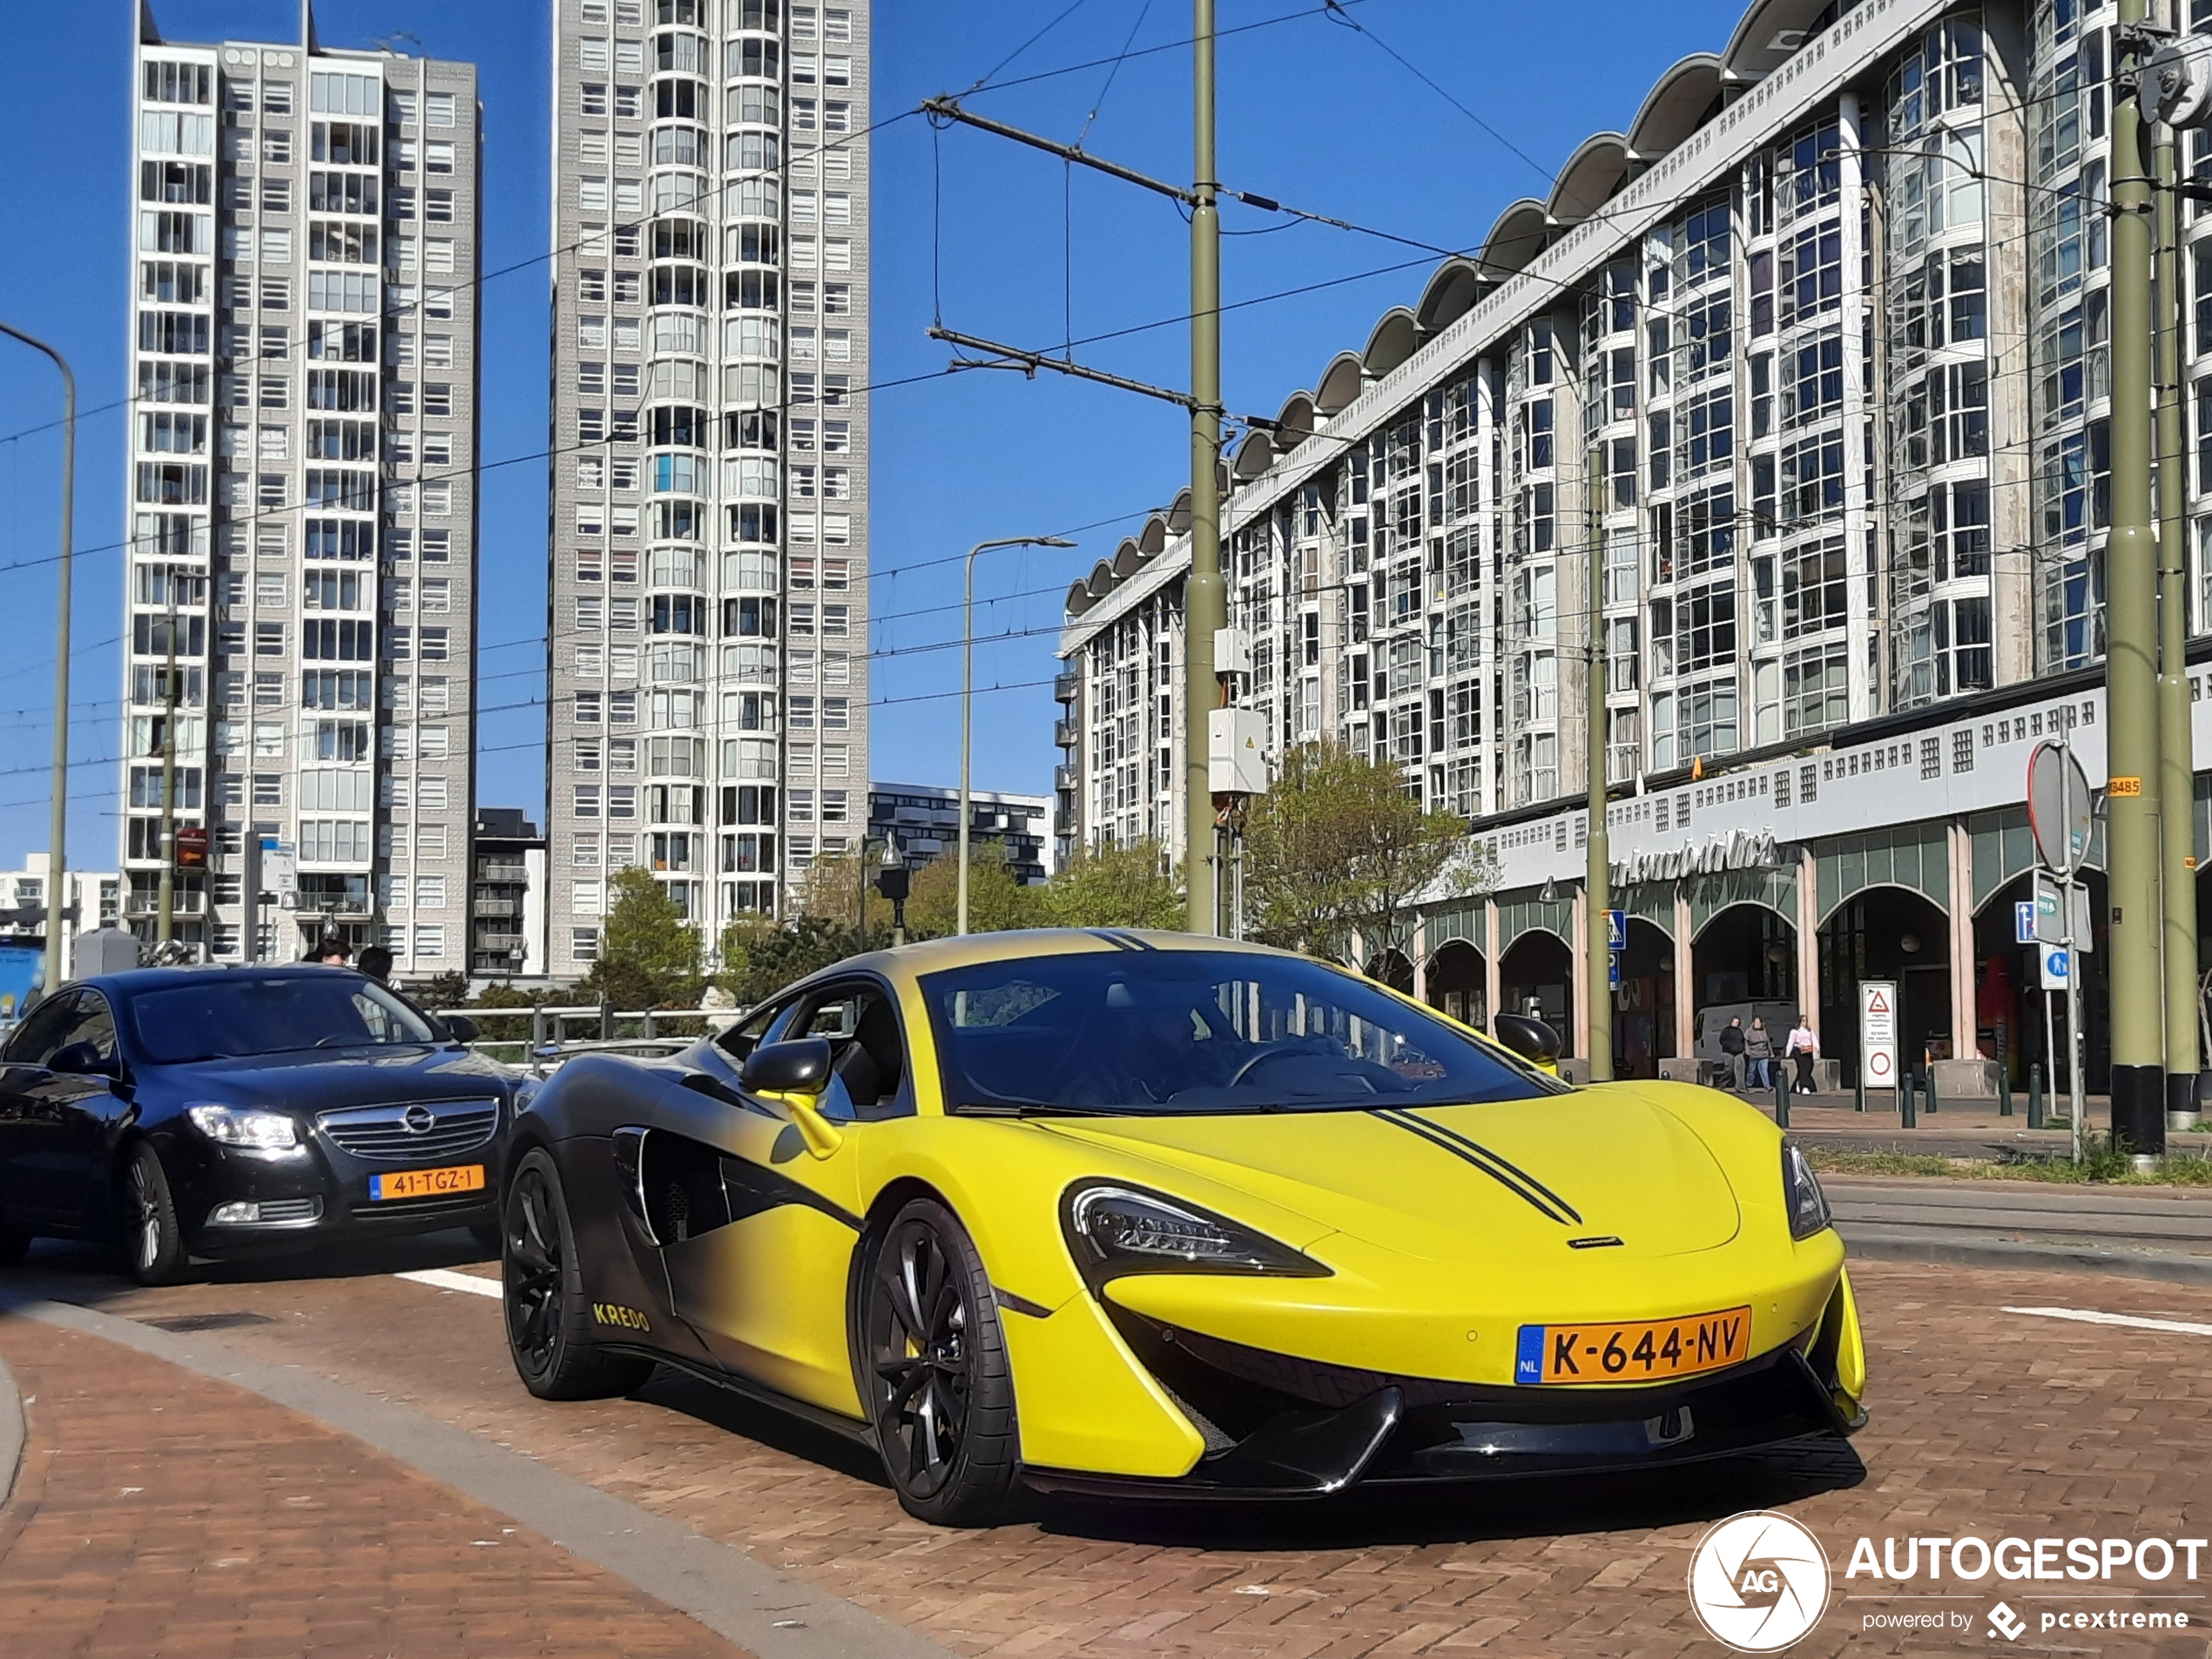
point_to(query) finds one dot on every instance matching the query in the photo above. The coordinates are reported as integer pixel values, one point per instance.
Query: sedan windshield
(229, 1016)
(1171, 1032)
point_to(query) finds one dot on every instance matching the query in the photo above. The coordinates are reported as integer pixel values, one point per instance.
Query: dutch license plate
(1645, 1351)
(426, 1183)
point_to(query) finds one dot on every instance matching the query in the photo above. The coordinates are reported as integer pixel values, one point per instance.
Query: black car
(219, 1112)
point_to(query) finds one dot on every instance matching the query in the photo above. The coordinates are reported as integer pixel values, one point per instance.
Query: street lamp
(967, 694)
(58, 820)
(893, 881)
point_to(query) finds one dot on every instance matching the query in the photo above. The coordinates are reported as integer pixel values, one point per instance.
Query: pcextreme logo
(1758, 1582)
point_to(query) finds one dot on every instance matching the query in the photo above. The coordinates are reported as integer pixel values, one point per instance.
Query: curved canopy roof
(1339, 383)
(1079, 598)
(1771, 32)
(1254, 456)
(1395, 336)
(1517, 237)
(1681, 101)
(1126, 559)
(1450, 295)
(1153, 538)
(1590, 177)
(1294, 423)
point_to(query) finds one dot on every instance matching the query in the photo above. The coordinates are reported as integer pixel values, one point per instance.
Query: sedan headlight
(250, 1132)
(1801, 1194)
(1115, 1230)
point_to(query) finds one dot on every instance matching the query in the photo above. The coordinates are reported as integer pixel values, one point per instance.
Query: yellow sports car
(1137, 1213)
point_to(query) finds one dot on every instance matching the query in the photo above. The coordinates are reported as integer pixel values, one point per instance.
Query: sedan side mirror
(461, 1028)
(79, 1060)
(1532, 1040)
(796, 1074)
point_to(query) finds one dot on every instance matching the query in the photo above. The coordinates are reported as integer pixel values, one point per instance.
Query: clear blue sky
(1312, 113)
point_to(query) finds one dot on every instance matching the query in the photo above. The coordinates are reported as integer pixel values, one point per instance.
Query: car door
(62, 1147)
(759, 1260)
(22, 1072)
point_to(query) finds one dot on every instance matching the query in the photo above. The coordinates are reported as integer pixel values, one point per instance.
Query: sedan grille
(411, 1133)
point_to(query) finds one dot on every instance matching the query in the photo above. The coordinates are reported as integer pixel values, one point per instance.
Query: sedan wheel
(549, 1321)
(939, 1388)
(156, 1245)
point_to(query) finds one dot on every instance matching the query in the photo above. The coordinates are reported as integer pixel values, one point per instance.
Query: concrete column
(1962, 943)
(1685, 977)
(1809, 938)
(1493, 985)
(1582, 990)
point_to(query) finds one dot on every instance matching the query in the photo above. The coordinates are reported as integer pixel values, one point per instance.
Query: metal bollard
(537, 1028)
(606, 1021)
(2035, 1095)
(1908, 1108)
(1781, 1100)
(1927, 1086)
(1858, 1103)
(2004, 1090)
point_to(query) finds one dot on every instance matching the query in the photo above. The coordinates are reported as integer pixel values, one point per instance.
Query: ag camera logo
(1758, 1582)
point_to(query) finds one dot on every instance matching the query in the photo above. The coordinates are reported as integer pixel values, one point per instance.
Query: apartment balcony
(497, 907)
(1067, 733)
(1063, 779)
(1066, 687)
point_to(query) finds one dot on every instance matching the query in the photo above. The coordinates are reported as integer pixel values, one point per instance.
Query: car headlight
(1801, 1193)
(1115, 1230)
(249, 1130)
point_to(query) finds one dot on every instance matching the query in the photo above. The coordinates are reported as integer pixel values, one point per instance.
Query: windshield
(229, 1016)
(1172, 1032)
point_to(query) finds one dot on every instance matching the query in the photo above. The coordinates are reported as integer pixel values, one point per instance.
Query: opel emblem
(420, 1120)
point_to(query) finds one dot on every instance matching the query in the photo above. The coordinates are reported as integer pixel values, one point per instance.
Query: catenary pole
(2137, 987)
(2177, 818)
(1597, 887)
(57, 813)
(1203, 604)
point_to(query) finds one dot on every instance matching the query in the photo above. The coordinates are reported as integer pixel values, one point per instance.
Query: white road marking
(2090, 1316)
(445, 1278)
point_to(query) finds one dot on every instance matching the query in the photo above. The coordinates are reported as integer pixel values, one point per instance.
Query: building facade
(708, 657)
(924, 819)
(301, 594)
(1802, 381)
(507, 896)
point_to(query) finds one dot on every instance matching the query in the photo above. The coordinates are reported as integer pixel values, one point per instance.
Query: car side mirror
(1533, 1040)
(79, 1060)
(461, 1028)
(796, 1076)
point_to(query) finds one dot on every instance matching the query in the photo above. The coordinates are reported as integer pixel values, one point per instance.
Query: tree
(446, 990)
(1130, 885)
(648, 956)
(1336, 852)
(996, 901)
(830, 891)
(759, 957)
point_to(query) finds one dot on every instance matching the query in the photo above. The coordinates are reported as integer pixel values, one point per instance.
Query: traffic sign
(1877, 1032)
(2050, 924)
(2058, 806)
(1615, 958)
(2058, 966)
(1616, 930)
(2024, 922)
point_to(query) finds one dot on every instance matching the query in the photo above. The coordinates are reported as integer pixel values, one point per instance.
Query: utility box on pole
(1236, 751)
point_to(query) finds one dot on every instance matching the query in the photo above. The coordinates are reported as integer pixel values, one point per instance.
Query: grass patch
(2100, 1165)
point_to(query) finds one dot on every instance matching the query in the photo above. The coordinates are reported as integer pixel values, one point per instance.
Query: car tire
(152, 1237)
(935, 1374)
(14, 1246)
(549, 1320)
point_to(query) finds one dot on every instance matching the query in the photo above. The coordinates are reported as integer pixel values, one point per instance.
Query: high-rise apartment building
(1803, 378)
(301, 597)
(707, 647)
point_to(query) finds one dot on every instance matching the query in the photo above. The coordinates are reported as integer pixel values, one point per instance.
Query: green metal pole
(2131, 632)
(2176, 795)
(1205, 606)
(1597, 877)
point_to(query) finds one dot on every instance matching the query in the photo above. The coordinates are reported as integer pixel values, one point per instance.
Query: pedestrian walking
(1758, 1056)
(333, 952)
(1732, 1041)
(1804, 1046)
(376, 962)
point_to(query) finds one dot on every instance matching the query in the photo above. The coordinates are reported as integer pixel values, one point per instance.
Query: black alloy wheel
(549, 1321)
(938, 1388)
(151, 1234)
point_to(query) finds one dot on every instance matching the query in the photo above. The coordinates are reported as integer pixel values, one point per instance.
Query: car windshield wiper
(1030, 1109)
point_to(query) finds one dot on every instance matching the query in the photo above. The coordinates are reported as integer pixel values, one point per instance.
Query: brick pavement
(160, 1512)
(1984, 1422)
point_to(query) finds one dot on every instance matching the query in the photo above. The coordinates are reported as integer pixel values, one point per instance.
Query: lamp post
(893, 881)
(968, 693)
(57, 820)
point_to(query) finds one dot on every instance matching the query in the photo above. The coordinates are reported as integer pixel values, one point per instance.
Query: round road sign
(1877, 1066)
(2058, 806)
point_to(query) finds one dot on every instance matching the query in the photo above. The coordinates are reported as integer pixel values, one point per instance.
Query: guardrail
(546, 1042)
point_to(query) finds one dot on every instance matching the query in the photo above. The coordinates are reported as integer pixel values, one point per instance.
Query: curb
(767, 1613)
(11, 1433)
(2021, 1257)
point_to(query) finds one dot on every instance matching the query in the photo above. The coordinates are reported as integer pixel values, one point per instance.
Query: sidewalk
(1955, 1129)
(159, 1512)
